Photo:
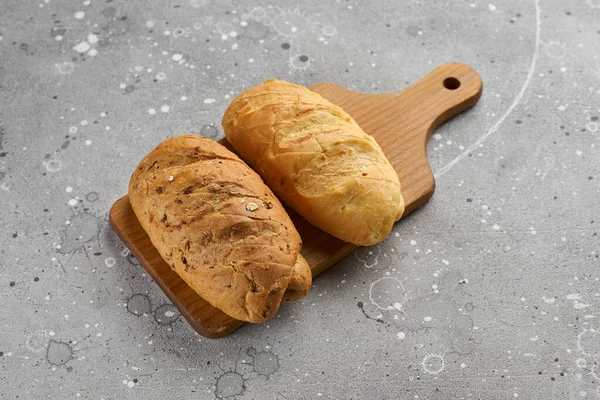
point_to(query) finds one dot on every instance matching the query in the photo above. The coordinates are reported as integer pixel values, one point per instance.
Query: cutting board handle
(445, 92)
(403, 121)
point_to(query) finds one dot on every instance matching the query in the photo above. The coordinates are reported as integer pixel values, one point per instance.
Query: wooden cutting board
(401, 122)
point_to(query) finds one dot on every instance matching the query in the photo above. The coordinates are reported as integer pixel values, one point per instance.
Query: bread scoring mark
(150, 167)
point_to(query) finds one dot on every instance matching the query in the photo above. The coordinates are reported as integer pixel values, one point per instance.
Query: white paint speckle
(110, 262)
(171, 178)
(492, 7)
(177, 57)
(82, 47)
(72, 202)
(209, 101)
(580, 306)
(92, 38)
(496, 227)
(401, 335)
(88, 142)
(151, 111)
(427, 319)
(165, 109)
(69, 189)
(79, 15)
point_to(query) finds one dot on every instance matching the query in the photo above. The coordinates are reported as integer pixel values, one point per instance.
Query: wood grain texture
(401, 122)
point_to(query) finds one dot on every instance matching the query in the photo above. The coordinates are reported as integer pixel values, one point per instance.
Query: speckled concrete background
(491, 291)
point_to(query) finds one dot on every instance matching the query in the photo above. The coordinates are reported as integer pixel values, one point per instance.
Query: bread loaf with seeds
(219, 227)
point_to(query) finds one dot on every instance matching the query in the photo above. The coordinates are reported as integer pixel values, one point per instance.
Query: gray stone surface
(491, 291)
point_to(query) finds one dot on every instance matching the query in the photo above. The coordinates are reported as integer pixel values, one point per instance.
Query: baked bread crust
(317, 159)
(219, 227)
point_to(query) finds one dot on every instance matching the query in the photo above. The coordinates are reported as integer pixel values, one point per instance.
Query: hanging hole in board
(451, 83)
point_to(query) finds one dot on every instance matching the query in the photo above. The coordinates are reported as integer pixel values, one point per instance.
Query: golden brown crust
(317, 159)
(219, 226)
(300, 281)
